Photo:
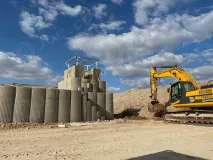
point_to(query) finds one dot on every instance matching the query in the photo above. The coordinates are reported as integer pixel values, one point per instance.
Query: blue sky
(129, 36)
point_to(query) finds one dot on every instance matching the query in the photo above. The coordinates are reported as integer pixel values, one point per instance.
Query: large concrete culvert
(7, 99)
(75, 115)
(37, 108)
(109, 106)
(101, 104)
(94, 113)
(75, 84)
(84, 98)
(51, 106)
(22, 104)
(89, 111)
(102, 86)
(93, 98)
(64, 106)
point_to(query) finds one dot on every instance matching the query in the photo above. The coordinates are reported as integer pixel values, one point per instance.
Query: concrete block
(84, 106)
(94, 113)
(101, 103)
(21, 112)
(37, 107)
(102, 86)
(89, 111)
(51, 106)
(7, 100)
(109, 106)
(75, 84)
(93, 98)
(75, 106)
(64, 106)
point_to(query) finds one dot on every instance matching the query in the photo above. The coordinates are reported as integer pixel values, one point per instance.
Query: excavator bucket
(156, 106)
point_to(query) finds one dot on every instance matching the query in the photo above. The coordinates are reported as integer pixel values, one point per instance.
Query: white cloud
(162, 34)
(114, 25)
(202, 73)
(117, 1)
(48, 11)
(100, 10)
(113, 89)
(146, 8)
(30, 67)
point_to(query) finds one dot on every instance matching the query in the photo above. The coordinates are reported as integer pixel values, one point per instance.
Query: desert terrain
(118, 139)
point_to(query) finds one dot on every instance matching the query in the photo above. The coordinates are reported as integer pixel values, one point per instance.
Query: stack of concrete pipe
(86, 101)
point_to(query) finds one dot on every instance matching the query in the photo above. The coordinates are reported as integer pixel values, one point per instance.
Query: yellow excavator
(196, 102)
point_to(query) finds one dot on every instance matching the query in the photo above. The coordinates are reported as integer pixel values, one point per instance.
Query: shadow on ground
(167, 155)
(127, 113)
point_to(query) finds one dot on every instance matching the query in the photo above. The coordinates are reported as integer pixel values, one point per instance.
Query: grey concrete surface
(84, 84)
(51, 106)
(102, 86)
(7, 99)
(93, 98)
(64, 106)
(37, 108)
(89, 111)
(21, 113)
(94, 84)
(84, 97)
(94, 113)
(98, 115)
(75, 115)
(101, 103)
(109, 106)
(75, 83)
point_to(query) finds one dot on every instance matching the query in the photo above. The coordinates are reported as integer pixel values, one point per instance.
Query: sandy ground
(143, 140)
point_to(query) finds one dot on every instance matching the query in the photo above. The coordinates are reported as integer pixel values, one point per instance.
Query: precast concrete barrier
(93, 98)
(84, 106)
(51, 106)
(101, 103)
(75, 84)
(89, 111)
(64, 106)
(109, 106)
(75, 115)
(21, 113)
(94, 113)
(85, 84)
(7, 99)
(102, 86)
(37, 107)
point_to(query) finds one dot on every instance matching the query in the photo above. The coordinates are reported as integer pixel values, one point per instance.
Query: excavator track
(192, 117)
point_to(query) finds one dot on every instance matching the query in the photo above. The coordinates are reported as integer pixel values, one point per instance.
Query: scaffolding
(83, 61)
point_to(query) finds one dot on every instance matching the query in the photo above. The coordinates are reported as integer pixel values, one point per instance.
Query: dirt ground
(143, 140)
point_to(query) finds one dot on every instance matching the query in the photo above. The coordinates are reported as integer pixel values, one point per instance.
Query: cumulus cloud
(114, 25)
(113, 89)
(100, 10)
(30, 67)
(137, 83)
(47, 13)
(202, 73)
(117, 1)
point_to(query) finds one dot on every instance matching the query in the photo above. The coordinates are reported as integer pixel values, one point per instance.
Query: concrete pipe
(98, 115)
(94, 86)
(101, 103)
(21, 112)
(89, 111)
(93, 98)
(51, 106)
(7, 99)
(37, 107)
(102, 86)
(64, 106)
(84, 97)
(94, 113)
(75, 84)
(75, 112)
(84, 84)
(103, 118)
(109, 106)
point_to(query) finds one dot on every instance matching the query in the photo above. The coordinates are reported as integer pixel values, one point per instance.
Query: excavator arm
(169, 72)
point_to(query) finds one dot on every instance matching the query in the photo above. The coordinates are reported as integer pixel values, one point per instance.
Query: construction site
(79, 119)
